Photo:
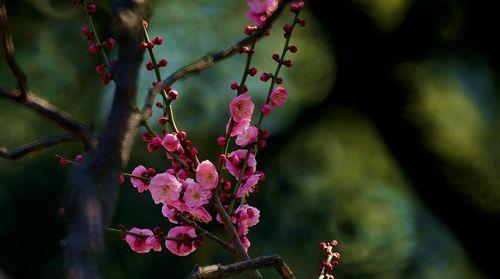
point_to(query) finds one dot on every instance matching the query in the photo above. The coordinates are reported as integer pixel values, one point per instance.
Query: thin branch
(49, 111)
(34, 146)
(212, 58)
(219, 271)
(8, 46)
(210, 235)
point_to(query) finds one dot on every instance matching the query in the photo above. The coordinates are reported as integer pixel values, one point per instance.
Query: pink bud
(63, 161)
(106, 79)
(265, 77)
(221, 140)
(287, 28)
(266, 109)
(163, 63)
(252, 71)
(296, 6)
(100, 68)
(79, 158)
(150, 148)
(109, 43)
(181, 135)
(121, 179)
(157, 83)
(86, 31)
(193, 151)
(173, 94)
(301, 22)
(234, 86)
(149, 66)
(276, 57)
(293, 49)
(158, 40)
(92, 8)
(162, 121)
(151, 171)
(156, 141)
(93, 48)
(145, 23)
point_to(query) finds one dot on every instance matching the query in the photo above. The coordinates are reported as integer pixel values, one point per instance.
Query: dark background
(389, 141)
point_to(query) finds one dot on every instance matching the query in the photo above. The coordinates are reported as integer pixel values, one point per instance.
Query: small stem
(141, 235)
(96, 36)
(136, 176)
(213, 237)
(271, 87)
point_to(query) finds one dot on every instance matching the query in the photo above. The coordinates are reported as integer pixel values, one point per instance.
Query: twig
(219, 271)
(34, 146)
(210, 235)
(49, 111)
(8, 46)
(212, 58)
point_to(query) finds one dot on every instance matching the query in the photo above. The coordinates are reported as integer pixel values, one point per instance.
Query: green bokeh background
(332, 178)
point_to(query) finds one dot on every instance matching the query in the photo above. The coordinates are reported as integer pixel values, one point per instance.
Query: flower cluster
(189, 190)
(330, 261)
(96, 45)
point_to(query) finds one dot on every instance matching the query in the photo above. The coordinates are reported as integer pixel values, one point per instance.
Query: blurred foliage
(332, 179)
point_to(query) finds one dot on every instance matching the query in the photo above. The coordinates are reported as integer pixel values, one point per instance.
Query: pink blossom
(164, 187)
(245, 242)
(171, 142)
(182, 247)
(206, 175)
(154, 243)
(248, 186)
(201, 214)
(278, 97)
(195, 195)
(170, 212)
(248, 136)
(260, 10)
(138, 243)
(138, 183)
(238, 127)
(234, 168)
(247, 215)
(241, 108)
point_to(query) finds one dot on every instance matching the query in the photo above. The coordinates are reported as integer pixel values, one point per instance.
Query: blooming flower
(164, 187)
(154, 243)
(195, 195)
(238, 127)
(185, 245)
(171, 142)
(248, 186)
(201, 214)
(138, 244)
(206, 175)
(138, 183)
(260, 10)
(246, 216)
(170, 212)
(248, 136)
(278, 97)
(241, 108)
(234, 168)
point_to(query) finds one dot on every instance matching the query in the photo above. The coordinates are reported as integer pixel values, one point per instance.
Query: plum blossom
(245, 242)
(200, 214)
(234, 168)
(165, 188)
(171, 142)
(248, 186)
(170, 212)
(138, 183)
(137, 243)
(248, 136)
(246, 216)
(186, 245)
(278, 97)
(206, 175)
(238, 127)
(260, 10)
(154, 243)
(195, 195)
(241, 108)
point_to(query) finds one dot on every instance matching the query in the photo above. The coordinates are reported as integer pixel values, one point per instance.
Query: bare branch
(8, 46)
(219, 271)
(211, 59)
(35, 146)
(49, 111)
